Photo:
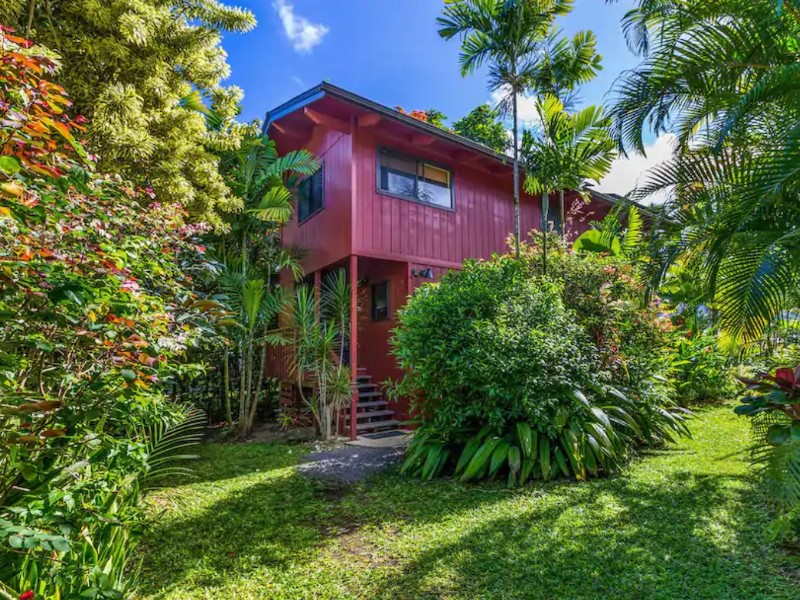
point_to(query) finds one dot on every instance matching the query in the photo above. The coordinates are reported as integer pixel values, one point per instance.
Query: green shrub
(497, 366)
(607, 298)
(489, 345)
(698, 370)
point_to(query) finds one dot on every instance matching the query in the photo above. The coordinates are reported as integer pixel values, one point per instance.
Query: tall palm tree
(510, 36)
(568, 150)
(252, 256)
(723, 77)
(264, 181)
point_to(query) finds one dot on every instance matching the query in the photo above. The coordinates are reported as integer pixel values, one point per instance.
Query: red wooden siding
(325, 236)
(391, 227)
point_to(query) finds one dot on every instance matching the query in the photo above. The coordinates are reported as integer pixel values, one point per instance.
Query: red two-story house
(397, 202)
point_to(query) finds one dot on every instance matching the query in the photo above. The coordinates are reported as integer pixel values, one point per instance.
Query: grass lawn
(687, 522)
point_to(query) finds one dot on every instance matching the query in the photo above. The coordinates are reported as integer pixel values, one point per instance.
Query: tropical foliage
(320, 336)
(524, 52)
(96, 312)
(483, 125)
(565, 152)
(773, 402)
(721, 77)
(508, 380)
(611, 236)
(141, 70)
(247, 261)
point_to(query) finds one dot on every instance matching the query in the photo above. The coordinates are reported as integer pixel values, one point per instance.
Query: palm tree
(567, 150)
(723, 77)
(251, 257)
(512, 37)
(264, 181)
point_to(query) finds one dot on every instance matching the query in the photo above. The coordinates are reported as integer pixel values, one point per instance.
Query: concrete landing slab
(400, 440)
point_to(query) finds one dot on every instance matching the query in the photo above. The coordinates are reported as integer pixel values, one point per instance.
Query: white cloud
(298, 81)
(626, 173)
(303, 34)
(526, 108)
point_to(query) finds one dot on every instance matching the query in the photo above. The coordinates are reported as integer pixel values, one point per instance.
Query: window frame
(372, 312)
(378, 189)
(321, 173)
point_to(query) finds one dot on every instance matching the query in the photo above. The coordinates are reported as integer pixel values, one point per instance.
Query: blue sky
(390, 52)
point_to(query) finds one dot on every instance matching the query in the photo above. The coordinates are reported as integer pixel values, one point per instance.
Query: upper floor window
(413, 179)
(311, 195)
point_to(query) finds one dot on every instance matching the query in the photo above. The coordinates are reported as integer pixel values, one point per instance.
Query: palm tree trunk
(249, 391)
(31, 12)
(242, 381)
(516, 179)
(257, 392)
(562, 213)
(545, 219)
(226, 370)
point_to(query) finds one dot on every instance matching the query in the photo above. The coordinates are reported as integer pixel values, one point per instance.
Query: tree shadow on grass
(688, 536)
(268, 524)
(278, 525)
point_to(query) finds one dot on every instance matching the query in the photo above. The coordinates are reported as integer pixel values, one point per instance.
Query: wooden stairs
(372, 411)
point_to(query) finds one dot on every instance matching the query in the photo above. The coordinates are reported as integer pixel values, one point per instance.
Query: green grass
(685, 522)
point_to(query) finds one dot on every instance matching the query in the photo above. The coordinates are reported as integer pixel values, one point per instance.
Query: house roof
(325, 89)
(328, 90)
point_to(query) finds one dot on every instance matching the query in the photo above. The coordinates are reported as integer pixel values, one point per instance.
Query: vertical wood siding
(391, 227)
(325, 236)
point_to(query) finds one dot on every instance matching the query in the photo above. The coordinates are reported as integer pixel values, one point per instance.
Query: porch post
(353, 341)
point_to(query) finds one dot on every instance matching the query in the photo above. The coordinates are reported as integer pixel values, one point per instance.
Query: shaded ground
(349, 464)
(686, 522)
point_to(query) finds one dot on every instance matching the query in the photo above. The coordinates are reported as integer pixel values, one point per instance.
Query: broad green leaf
(9, 165)
(525, 437)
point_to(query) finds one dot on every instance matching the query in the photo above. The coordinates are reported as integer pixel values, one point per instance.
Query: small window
(380, 301)
(310, 195)
(414, 179)
(553, 216)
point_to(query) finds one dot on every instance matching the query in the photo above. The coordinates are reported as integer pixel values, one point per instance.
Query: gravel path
(349, 464)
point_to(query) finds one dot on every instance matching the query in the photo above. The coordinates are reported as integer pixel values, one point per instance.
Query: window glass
(398, 175)
(435, 185)
(414, 179)
(380, 301)
(310, 195)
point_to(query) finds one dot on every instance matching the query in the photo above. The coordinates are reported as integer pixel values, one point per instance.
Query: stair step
(364, 386)
(364, 378)
(372, 404)
(377, 424)
(370, 394)
(374, 413)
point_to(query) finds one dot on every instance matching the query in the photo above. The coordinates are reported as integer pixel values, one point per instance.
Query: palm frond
(167, 443)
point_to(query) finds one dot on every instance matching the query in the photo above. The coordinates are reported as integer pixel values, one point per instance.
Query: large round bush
(506, 379)
(489, 345)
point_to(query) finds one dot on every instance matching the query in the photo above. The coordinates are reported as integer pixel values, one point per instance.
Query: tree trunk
(562, 213)
(259, 385)
(545, 218)
(249, 390)
(31, 12)
(516, 179)
(226, 385)
(242, 384)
